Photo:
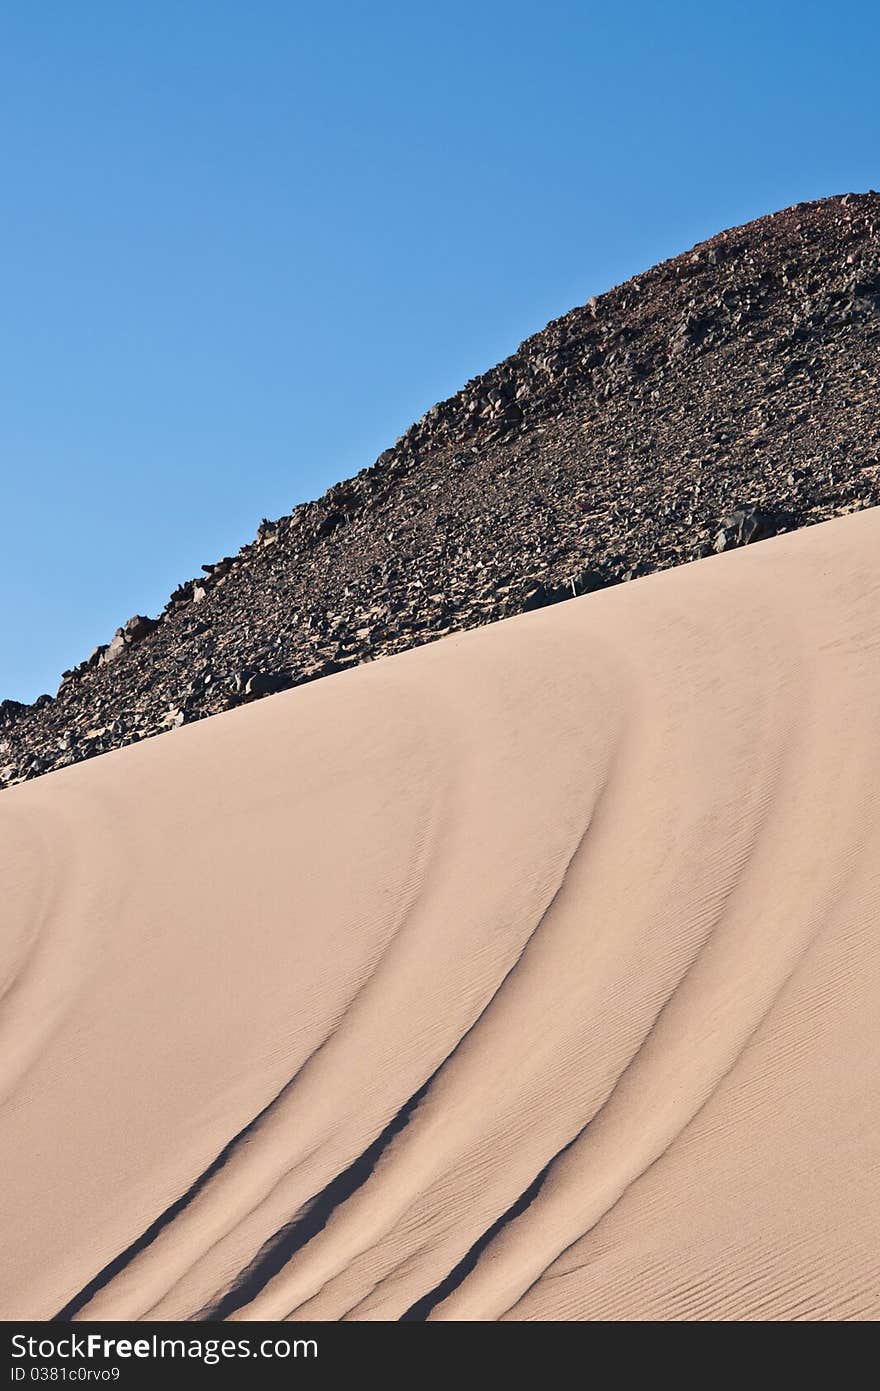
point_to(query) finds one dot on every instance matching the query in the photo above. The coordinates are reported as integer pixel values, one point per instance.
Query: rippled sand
(534, 974)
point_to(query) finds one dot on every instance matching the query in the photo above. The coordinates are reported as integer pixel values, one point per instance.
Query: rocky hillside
(719, 398)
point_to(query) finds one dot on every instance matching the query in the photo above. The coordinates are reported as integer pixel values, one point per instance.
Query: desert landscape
(720, 398)
(439, 683)
(529, 975)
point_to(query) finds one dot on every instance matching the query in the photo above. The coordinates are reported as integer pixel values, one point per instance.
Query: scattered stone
(264, 683)
(139, 627)
(115, 647)
(740, 528)
(535, 596)
(181, 595)
(621, 439)
(10, 711)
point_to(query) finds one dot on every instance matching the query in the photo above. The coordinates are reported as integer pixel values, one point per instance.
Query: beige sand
(607, 874)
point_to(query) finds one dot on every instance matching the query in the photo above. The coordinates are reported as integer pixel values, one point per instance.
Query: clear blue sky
(243, 245)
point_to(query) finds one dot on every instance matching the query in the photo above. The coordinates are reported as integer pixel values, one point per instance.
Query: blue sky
(244, 245)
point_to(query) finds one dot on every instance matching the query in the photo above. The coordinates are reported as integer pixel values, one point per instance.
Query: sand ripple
(534, 974)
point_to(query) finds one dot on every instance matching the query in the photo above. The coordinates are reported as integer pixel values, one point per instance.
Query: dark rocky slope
(721, 397)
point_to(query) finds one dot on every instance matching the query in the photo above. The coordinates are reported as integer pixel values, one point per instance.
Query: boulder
(264, 683)
(138, 627)
(10, 711)
(115, 647)
(741, 527)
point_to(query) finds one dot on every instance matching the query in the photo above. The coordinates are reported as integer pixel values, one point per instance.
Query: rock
(138, 627)
(264, 683)
(621, 433)
(330, 523)
(181, 595)
(539, 595)
(133, 632)
(10, 711)
(586, 582)
(740, 528)
(536, 596)
(115, 647)
(218, 568)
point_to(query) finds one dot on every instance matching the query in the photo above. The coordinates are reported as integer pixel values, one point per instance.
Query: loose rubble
(715, 400)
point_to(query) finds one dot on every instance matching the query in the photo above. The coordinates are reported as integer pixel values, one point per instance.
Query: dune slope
(534, 974)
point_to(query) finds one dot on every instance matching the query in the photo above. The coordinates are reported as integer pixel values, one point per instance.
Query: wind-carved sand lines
(364, 1218)
(534, 980)
(339, 1195)
(204, 1221)
(528, 975)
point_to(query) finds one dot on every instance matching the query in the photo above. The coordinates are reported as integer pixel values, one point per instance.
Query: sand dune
(534, 974)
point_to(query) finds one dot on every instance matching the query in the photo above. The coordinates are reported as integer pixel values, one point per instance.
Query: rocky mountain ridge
(716, 399)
